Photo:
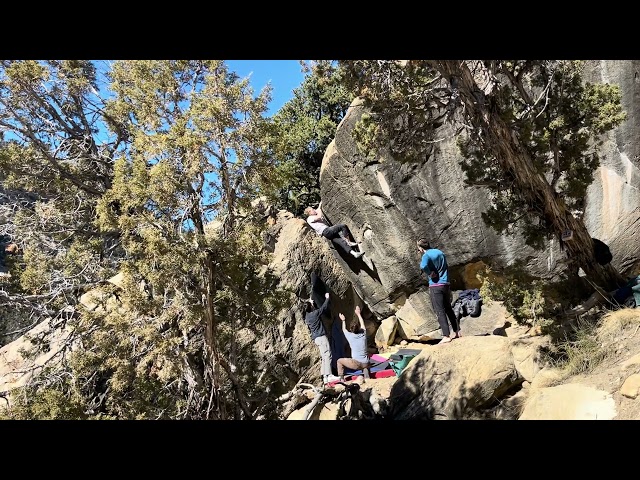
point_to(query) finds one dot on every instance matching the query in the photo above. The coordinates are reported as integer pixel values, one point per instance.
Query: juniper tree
(184, 139)
(181, 203)
(57, 146)
(300, 134)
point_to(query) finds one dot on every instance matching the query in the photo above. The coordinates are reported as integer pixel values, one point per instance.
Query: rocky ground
(594, 376)
(609, 361)
(493, 320)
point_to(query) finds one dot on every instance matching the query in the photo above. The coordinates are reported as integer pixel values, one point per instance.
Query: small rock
(631, 386)
(635, 360)
(535, 331)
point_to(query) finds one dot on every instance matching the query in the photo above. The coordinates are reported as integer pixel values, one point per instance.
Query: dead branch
(308, 411)
(296, 397)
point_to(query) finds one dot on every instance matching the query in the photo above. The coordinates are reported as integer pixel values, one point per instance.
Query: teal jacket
(434, 264)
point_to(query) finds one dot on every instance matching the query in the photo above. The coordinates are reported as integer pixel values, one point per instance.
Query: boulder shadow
(356, 265)
(430, 391)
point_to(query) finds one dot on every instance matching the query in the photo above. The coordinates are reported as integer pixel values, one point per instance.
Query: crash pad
(379, 374)
(376, 357)
(375, 367)
(407, 351)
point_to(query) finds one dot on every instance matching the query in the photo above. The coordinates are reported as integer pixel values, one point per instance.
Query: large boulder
(455, 380)
(101, 300)
(388, 204)
(25, 357)
(612, 212)
(296, 252)
(569, 402)
(528, 356)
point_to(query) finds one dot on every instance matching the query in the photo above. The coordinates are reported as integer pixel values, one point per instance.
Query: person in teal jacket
(434, 265)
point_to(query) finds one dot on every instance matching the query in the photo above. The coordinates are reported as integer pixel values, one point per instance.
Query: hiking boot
(356, 254)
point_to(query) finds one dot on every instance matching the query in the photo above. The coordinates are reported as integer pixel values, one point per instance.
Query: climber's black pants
(441, 303)
(337, 234)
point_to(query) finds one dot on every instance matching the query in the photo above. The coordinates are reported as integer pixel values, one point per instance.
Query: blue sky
(285, 76)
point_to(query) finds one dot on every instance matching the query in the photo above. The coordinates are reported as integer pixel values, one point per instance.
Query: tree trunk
(210, 336)
(515, 160)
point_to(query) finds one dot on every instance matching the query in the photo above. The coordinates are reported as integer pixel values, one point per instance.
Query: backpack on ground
(601, 252)
(474, 307)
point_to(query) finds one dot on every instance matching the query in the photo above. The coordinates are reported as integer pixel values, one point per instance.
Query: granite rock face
(612, 211)
(389, 204)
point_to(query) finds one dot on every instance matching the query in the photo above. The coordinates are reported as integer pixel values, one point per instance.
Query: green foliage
(43, 404)
(403, 116)
(34, 277)
(531, 301)
(366, 134)
(192, 153)
(51, 111)
(56, 160)
(522, 297)
(561, 136)
(185, 141)
(132, 361)
(55, 254)
(299, 135)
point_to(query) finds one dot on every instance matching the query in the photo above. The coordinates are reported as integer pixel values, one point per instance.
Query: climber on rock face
(339, 234)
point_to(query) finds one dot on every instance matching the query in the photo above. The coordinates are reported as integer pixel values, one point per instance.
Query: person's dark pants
(441, 302)
(338, 235)
(318, 289)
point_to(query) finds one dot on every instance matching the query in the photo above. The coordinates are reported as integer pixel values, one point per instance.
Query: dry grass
(617, 325)
(590, 343)
(582, 353)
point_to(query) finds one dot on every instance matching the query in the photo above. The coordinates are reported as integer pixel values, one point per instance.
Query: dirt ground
(617, 339)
